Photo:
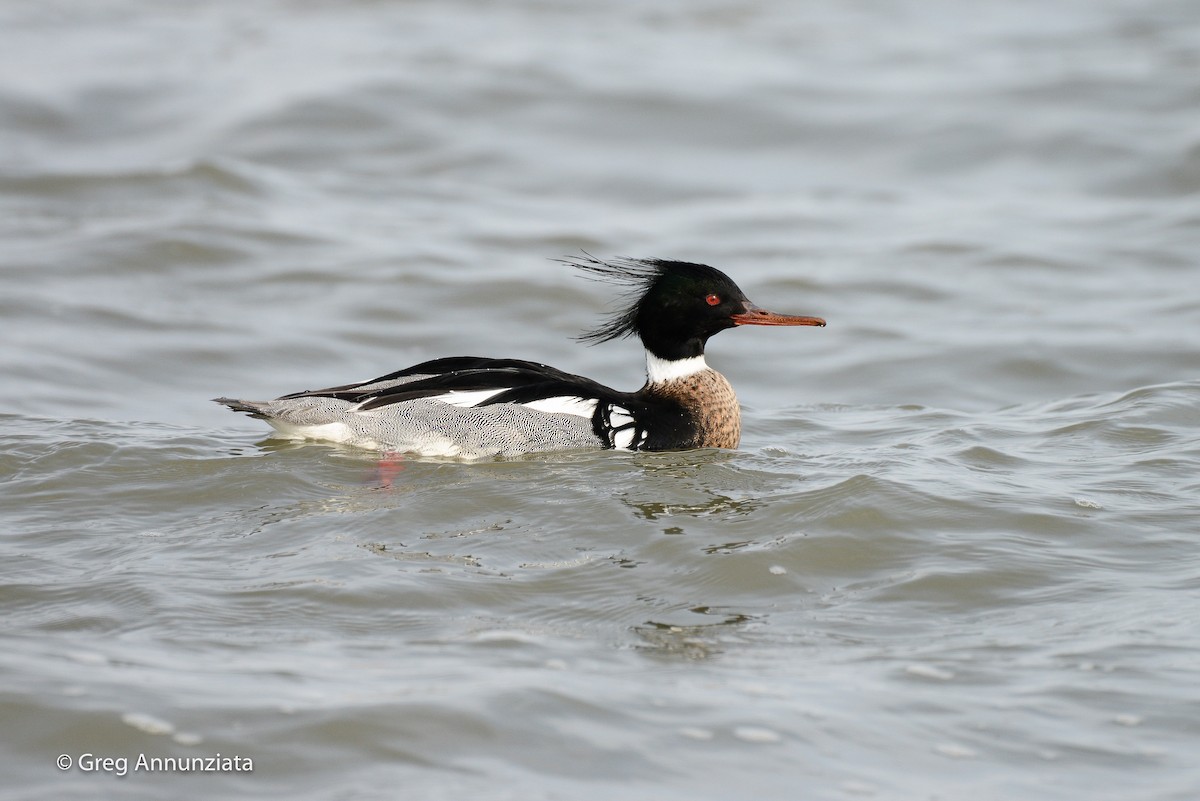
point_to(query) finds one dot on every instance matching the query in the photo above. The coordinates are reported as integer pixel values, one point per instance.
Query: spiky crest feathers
(643, 276)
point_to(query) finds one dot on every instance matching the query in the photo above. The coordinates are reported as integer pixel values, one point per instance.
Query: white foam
(955, 751)
(756, 734)
(147, 723)
(926, 671)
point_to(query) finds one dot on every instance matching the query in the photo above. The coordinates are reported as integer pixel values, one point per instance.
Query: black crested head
(674, 306)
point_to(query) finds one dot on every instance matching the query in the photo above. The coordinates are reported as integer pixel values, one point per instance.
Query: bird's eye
(713, 300)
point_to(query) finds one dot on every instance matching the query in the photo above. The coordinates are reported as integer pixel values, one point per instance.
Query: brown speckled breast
(709, 400)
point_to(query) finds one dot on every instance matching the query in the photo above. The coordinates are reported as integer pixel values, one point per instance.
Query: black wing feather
(522, 382)
(436, 369)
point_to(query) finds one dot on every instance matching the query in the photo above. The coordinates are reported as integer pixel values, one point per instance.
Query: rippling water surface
(954, 557)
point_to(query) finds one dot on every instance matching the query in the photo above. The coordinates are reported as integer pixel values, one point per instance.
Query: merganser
(470, 407)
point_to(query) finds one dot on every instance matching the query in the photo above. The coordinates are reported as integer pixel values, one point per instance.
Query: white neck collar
(660, 371)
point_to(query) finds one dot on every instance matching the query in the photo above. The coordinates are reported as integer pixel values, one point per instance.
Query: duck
(470, 407)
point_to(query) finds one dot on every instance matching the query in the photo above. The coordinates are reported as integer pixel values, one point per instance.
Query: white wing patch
(624, 432)
(565, 404)
(466, 400)
(619, 417)
(623, 440)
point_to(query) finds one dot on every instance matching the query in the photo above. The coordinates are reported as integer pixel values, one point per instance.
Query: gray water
(955, 556)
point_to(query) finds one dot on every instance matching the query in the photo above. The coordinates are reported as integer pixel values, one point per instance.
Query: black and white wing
(468, 382)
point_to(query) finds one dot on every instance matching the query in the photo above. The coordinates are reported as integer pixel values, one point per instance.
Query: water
(954, 556)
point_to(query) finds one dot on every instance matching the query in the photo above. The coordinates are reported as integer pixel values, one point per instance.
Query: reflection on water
(408, 555)
(693, 640)
(716, 504)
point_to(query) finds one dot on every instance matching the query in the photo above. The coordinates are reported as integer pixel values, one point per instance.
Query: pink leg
(390, 466)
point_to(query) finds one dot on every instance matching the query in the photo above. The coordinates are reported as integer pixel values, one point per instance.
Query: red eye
(713, 300)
